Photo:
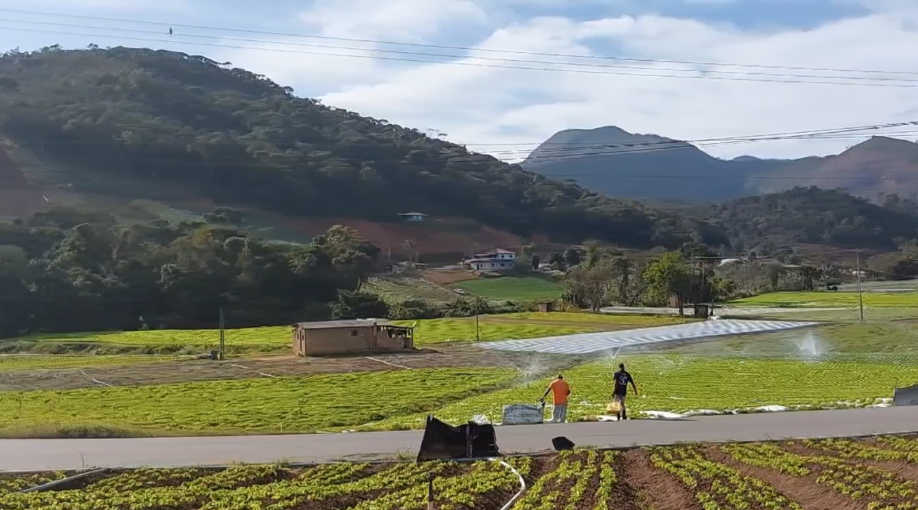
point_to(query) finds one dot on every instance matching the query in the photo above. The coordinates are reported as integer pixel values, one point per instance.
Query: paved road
(38, 454)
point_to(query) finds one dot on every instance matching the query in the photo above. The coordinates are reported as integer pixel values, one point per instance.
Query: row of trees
(68, 271)
(692, 274)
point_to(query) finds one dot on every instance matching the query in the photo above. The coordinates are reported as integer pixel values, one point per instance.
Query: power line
(465, 64)
(471, 57)
(553, 153)
(463, 48)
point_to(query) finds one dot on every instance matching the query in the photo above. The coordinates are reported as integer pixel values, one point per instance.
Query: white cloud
(406, 19)
(481, 104)
(95, 5)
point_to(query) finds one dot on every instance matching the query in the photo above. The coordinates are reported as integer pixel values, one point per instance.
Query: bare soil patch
(453, 356)
(659, 489)
(448, 276)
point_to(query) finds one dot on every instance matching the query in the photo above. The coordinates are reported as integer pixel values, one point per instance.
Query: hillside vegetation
(120, 121)
(810, 215)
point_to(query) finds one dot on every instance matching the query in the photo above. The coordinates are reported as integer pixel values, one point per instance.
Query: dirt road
(163, 452)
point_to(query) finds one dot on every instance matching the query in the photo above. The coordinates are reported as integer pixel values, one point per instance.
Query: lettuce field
(687, 384)
(401, 399)
(872, 474)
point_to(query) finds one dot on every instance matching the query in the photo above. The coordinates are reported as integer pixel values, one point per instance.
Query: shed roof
(412, 214)
(356, 323)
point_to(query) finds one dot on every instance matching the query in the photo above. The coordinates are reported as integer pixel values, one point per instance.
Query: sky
(508, 111)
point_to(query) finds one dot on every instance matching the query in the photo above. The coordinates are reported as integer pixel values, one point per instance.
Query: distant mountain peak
(885, 143)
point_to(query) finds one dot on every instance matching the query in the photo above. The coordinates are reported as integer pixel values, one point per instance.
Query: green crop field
(867, 337)
(402, 399)
(295, 404)
(527, 325)
(15, 363)
(396, 289)
(512, 288)
(680, 383)
(830, 300)
(277, 338)
(843, 473)
(437, 331)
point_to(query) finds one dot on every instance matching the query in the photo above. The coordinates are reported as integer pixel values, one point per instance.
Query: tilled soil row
(803, 490)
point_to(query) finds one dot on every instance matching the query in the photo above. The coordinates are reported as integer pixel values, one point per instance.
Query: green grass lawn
(302, 404)
(679, 383)
(830, 300)
(513, 288)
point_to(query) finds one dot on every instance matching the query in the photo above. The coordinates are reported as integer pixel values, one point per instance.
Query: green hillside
(126, 122)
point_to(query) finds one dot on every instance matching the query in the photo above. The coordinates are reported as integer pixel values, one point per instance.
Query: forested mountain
(128, 121)
(879, 166)
(813, 216)
(621, 164)
(624, 165)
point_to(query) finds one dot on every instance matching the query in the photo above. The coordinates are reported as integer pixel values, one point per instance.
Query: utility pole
(860, 297)
(477, 331)
(222, 336)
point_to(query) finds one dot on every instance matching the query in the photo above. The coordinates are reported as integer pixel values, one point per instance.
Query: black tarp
(444, 442)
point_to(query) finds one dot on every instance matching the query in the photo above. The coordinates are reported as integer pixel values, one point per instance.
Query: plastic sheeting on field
(611, 340)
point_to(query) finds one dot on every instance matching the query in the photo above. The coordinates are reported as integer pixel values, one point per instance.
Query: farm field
(512, 288)
(401, 399)
(269, 405)
(192, 341)
(685, 384)
(514, 326)
(887, 337)
(277, 338)
(836, 474)
(397, 289)
(830, 299)
(13, 363)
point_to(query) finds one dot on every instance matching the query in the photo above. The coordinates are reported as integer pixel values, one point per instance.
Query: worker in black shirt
(622, 378)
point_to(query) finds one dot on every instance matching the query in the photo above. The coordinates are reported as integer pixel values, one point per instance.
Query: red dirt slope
(443, 235)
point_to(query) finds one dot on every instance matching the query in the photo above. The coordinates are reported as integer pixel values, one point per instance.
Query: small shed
(350, 337)
(547, 306)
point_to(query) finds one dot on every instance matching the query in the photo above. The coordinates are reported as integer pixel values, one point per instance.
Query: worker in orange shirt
(560, 391)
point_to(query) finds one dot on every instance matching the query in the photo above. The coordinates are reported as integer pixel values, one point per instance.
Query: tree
(774, 271)
(589, 287)
(411, 248)
(694, 249)
(556, 260)
(224, 216)
(571, 257)
(621, 267)
(359, 305)
(593, 253)
(809, 274)
(668, 275)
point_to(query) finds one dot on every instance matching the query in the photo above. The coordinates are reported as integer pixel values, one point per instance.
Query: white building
(497, 260)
